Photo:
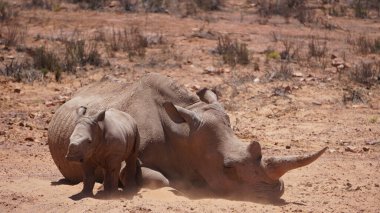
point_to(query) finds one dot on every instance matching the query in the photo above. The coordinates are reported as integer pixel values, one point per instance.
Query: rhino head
(85, 137)
(230, 167)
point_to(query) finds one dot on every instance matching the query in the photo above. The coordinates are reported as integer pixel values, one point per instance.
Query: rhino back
(142, 100)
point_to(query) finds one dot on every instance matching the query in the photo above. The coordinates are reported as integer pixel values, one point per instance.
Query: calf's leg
(88, 178)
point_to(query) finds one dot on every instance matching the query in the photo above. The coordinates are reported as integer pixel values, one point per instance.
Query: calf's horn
(275, 167)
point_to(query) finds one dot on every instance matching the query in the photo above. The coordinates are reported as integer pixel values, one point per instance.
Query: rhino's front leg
(88, 178)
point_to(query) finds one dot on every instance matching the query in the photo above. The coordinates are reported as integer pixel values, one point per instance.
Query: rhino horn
(275, 167)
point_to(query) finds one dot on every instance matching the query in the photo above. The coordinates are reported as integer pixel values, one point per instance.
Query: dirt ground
(310, 110)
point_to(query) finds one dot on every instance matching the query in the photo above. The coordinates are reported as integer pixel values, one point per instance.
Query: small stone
(2, 132)
(31, 139)
(377, 185)
(332, 150)
(372, 142)
(49, 103)
(366, 149)
(257, 80)
(350, 149)
(17, 90)
(316, 103)
(297, 74)
(195, 87)
(287, 147)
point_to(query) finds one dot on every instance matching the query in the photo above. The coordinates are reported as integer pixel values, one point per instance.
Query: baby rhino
(105, 140)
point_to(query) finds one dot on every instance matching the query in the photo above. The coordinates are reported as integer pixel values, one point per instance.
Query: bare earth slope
(298, 115)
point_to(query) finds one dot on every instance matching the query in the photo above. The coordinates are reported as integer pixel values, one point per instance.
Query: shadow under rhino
(186, 140)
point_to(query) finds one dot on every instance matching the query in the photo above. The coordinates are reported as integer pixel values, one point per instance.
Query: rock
(31, 139)
(287, 146)
(372, 142)
(366, 149)
(17, 90)
(331, 150)
(297, 74)
(49, 103)
(212, 71)
(376, 185)
(257, 80)
(114, 4)
(2, 132)
(195, 87)
(350, 149)
(316, 103)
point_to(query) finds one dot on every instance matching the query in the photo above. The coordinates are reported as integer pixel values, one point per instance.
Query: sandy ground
(310, 116)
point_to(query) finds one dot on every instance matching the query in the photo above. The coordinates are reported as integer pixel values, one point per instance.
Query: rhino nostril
(81, 160)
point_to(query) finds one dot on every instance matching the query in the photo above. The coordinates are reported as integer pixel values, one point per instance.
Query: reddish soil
(299, 115)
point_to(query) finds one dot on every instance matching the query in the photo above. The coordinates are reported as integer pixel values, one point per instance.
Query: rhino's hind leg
(130, 174)
(111, 177)
(153, 179)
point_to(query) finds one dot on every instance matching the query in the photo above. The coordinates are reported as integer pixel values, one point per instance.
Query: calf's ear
(207, 96)
(100, 116)
(180, 115)
(81, 111)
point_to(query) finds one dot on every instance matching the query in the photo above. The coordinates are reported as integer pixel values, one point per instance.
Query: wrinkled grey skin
(105, 140)
(186, 139)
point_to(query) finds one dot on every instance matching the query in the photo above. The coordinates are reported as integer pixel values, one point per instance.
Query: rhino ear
(254, 149)
(81, 111)
(207, 96)
(180, 115)
(100, 116)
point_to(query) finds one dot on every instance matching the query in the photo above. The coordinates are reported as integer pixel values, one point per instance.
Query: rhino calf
(105, 140)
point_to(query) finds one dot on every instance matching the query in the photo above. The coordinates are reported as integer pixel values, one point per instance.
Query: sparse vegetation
(367, 73)
(291, 51)
(20, 71)
(317, 48)
(355, 96)
(45, 60)
(286, 8)
(6, 11)
(366, 45)
(283, 72)
(12, 35)
(233, 52)
(131, 41)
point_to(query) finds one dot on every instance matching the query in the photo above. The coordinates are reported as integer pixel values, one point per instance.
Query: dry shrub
(20, 71)
(208, 4)
(317, 49)
(12, 35)
(78, 52)
(233, 52)
(292, 49)
(46, 61)
(354, 95)
(367, 73)
(6, 11)
(286, 8)
(366, 45)
(284, 72)
(89, 4)
(131, 41)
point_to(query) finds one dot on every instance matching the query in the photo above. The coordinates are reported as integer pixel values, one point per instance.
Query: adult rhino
(184, 137)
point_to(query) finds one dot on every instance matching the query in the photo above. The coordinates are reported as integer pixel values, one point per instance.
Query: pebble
(17, 90)
(287, 147)
(350, 149)
(31, 139)
(366, 149)
(2, 132)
